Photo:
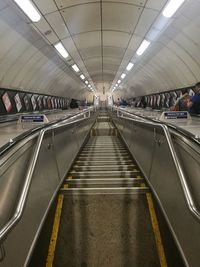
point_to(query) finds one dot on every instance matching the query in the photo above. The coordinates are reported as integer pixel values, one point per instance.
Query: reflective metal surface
(34, 168)
(157, 151)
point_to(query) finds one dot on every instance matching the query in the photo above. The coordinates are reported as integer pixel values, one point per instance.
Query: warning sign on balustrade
(175, 115)
(33, 119)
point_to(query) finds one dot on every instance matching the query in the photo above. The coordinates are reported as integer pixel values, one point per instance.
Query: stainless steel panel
(149, 146)
(58, 150)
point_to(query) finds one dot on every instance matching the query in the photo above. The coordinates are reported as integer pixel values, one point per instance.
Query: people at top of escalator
(143, 102)
(118, 102)
(123, 102)
(181, 102)
(73, 103)
(193, 103)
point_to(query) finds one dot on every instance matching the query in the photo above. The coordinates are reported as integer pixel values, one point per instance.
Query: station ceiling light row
(63, 52)
(169, 10)
(34, 15)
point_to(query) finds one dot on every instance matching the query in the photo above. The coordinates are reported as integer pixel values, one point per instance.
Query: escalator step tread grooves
(108, 224)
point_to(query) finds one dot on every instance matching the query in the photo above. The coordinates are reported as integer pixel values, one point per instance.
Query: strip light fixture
(172, 7)
(75, 68)
(129, 66)
(60, 48)
(29, 9)
(144, 45)
(82, 77)
(123, 75)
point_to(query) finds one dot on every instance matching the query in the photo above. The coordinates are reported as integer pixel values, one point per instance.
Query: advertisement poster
(52, 103)
(18, 102)
(49, 103)
(56, 103)
(33, 101)
(26, 102)
(7, 103)
(39, 101)
(44, 102)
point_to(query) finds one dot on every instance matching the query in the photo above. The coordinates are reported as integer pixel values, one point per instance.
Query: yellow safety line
(156, 230)
(54, 234)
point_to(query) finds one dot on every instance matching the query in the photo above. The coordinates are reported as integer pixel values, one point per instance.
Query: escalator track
(105, 214)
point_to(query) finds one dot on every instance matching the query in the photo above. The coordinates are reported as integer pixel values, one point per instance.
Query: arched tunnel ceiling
(101, 37)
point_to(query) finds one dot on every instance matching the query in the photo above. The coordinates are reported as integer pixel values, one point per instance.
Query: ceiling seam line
(137, 35)
(73, 42)
(101, 16)
(66, 64)
(130, 39)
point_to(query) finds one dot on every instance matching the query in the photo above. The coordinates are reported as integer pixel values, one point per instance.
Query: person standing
(193, 103)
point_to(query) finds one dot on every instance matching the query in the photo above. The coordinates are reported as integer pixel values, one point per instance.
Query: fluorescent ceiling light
(29, 9)
(60, 48)
(82, 77)
(119, 81)
(86, 82)
(144, 45)
(123, 75)
(75, 67)
(129, 66)
(171, 8)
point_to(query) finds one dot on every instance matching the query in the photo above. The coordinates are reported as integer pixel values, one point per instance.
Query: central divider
(105, 218)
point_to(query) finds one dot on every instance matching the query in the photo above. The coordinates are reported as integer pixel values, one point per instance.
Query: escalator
(105, 213)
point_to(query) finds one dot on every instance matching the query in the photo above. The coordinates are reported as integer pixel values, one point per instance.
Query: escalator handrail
(30, 132)
(184, 185)
(4, 231)
(182, 131)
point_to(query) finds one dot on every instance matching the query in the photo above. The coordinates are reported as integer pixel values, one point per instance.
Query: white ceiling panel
(156, 4)
(192, 32)
(191, 9)
(46, 30)
(91, 52)
(79, 18)
(132, 2)
(70, 46)
(58, 24)
(68, 3)
(3, 5)
(88, 40)
(135, 42)
(115, 39)
(146, 20)
(113, 52)
(45, 6)
(124, 18)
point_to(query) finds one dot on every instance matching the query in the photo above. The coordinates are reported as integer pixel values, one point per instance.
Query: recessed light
(75, 68)
(144, 45)
(60, 48)
(129, 66)
(82, 77)
(29, 9)
(123, 75)
(171, 8)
